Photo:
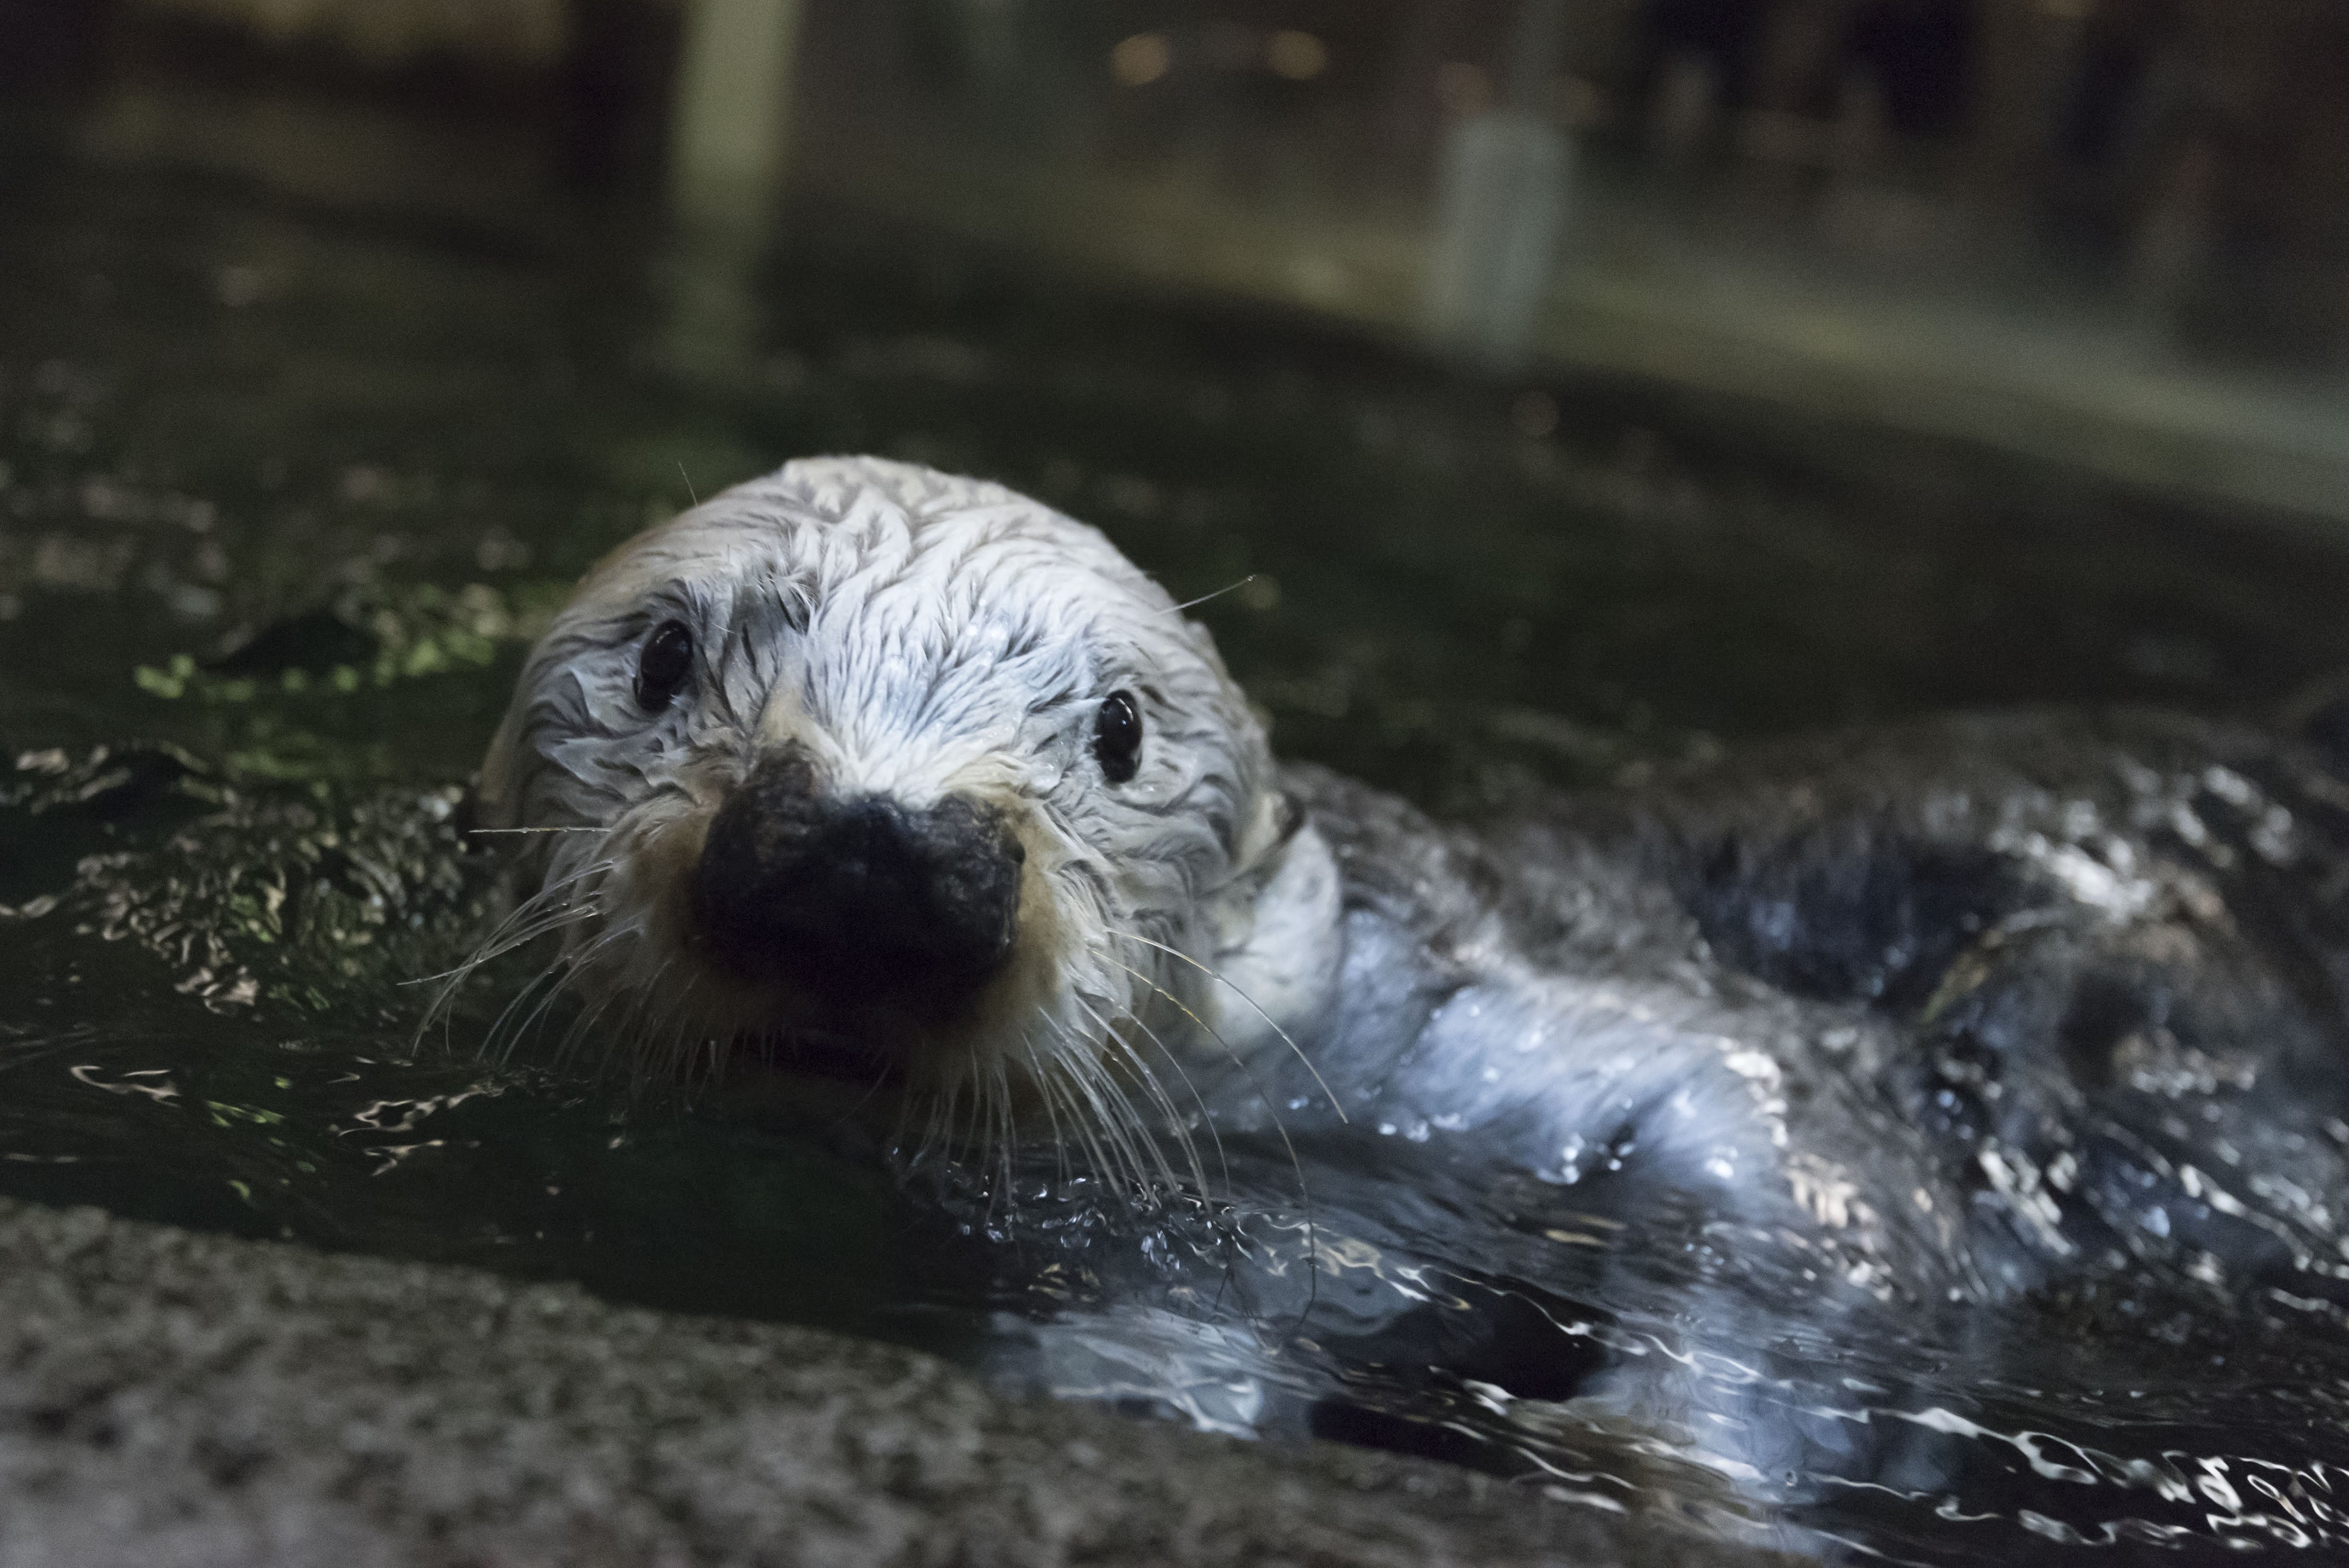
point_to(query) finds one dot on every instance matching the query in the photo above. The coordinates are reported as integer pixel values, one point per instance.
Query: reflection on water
(283, 487)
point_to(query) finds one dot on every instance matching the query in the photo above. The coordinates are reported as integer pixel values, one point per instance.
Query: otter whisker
(1113, 1160)
(571, 966)
(969, 1139)
(880, 1081)
(693, 1032)
(682, 1023)
(1296, 1165)
(1118, 1159)
(1216, 977)
(983, 1145)
(444, 1000)
(646, 994)
(992, 1147)
(938, 1137)
(544, 898)
(540, 913)
(566, 1048)
(942, 1138)
(1158, 1092)
(972, 1140)
(1111, 1117)
(1087, 1114)
(1008, 1149)
(937, 1129)
(1226, 588)
(1098, 1158)
(900, 1139)
(698, 1054)
(560, 973)
(549, 975)
(1215, 1134)
(556, 885)
(581, 962)
(477, 832)
(1128, 1130)
(499, 947)
(668, 1061)
(1049, 1093)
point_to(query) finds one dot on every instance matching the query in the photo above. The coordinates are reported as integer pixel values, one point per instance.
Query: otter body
(867, 771)
(1985, 1004)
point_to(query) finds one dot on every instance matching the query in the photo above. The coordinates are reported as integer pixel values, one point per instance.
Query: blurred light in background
(2117, 228)
(1141, 59)
(1299, 57)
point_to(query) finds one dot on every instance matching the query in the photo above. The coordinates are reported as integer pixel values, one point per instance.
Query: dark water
(285, 483)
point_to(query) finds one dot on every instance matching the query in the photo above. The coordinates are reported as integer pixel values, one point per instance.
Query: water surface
(286, 482)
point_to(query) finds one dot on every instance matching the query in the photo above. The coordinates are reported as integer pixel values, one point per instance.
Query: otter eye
(663, 665)
(1117, 737)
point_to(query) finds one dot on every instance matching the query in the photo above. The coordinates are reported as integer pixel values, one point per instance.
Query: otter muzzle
(859, 900)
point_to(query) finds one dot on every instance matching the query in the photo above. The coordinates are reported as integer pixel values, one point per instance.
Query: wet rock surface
(169, 1398)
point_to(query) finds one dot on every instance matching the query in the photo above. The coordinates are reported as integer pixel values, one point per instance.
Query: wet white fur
(920, 633)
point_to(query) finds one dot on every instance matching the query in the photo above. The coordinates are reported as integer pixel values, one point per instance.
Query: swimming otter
(872, 771)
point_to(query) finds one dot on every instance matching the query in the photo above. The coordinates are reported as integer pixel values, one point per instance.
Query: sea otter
(864, 771)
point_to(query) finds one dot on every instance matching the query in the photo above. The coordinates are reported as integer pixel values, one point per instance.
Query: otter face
(888, 773)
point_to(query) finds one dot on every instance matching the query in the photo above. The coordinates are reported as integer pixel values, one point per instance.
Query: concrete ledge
(169, 1398)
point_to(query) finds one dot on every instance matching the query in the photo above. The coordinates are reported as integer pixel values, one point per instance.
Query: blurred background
(1597, 376)
(2112, 232)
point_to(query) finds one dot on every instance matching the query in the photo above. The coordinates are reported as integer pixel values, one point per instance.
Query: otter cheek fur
(880, 773)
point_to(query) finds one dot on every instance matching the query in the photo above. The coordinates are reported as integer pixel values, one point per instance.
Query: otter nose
(858, 900)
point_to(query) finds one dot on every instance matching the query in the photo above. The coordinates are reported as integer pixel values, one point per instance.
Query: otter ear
(1277, 817)
(1279, 934)
(1257, 861)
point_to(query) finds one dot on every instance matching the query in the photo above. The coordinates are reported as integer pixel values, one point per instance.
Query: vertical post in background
(733, 110)
(726, 148)
(2025, 56)
(1501, 205)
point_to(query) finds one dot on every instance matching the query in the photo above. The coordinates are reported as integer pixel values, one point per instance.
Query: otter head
(878, 770)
